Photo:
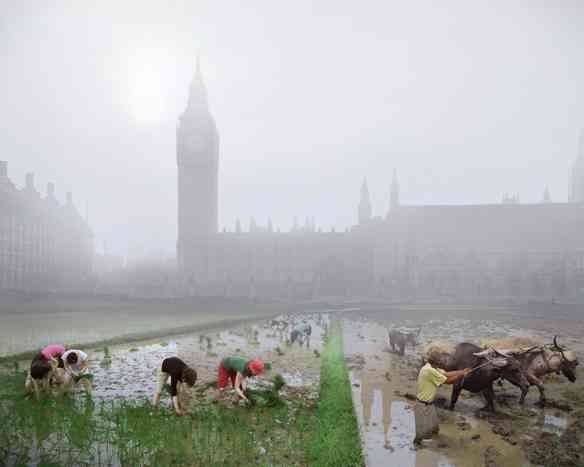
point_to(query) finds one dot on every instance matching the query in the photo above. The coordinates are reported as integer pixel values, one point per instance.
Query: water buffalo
(539, 361)
(488, 369)
(400, 338)
(301, 333)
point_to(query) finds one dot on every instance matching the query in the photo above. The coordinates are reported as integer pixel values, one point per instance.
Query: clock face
(195, 141)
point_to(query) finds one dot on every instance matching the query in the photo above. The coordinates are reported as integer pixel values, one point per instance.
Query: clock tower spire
(197, 149)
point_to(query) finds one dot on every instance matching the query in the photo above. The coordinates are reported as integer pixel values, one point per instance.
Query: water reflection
(387, 420)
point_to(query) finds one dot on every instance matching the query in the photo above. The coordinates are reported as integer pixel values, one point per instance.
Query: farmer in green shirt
(236, 370)
(430, 378)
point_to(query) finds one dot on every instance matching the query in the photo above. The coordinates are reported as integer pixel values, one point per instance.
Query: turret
(51, 198)
(546, 196)
(365, 210)
(577, 181)
(6, 184)
(29, 181)
(394, 197)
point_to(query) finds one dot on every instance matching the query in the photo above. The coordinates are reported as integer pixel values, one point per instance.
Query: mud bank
(384, 392)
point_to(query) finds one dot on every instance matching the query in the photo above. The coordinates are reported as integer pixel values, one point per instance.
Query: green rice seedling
(267, 397)
(279, 382)
(106, 362)
(79, 377)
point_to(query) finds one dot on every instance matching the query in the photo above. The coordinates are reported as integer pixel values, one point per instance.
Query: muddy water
(380, 379)
(131, 370)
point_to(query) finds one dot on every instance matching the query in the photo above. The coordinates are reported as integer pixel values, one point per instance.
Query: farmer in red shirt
(236, 370)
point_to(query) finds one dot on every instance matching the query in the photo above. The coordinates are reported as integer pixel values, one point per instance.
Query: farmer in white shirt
(75, 363)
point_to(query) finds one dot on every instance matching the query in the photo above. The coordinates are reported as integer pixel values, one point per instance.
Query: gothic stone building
(43, 245)
(507, 250)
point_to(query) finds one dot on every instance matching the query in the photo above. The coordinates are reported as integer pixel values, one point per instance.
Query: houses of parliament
(503, 250)
(44, 245)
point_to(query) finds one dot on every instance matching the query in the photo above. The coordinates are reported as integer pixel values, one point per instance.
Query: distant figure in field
(236, 370)
(399, 339)
(301, 333)
(43, 367)
(75, 364)
(178, 372)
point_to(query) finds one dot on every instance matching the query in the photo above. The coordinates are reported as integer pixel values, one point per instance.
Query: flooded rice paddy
(383, 385)
(129, 371)
(119, 427)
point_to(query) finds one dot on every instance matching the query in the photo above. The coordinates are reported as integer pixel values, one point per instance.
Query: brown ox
(539, 361)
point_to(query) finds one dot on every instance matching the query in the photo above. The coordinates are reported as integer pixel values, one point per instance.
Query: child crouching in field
(75, 363)
(178, 372)
(236, 370)
(43, 367)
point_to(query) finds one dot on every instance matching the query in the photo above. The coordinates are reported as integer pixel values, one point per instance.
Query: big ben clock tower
(197, 149)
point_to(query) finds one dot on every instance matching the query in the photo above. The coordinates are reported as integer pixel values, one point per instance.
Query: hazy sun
(147, 100)
(148, 74)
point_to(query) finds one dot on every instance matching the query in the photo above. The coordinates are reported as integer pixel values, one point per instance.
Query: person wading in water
(236, 370)
(178, 372)
(431, 377)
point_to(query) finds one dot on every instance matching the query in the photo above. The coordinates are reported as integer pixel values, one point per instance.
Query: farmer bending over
(43, 366)
(178, 372)
(301, 333)
(431, 376)
(75, 363)
(237, 369)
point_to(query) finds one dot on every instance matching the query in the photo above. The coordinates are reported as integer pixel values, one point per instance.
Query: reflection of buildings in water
(376, 402)
(388, 424)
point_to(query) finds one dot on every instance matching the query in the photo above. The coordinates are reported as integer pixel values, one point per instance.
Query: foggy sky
(467, 100)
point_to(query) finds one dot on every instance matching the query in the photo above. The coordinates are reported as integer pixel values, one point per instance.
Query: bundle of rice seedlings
(81, 376)
(267, 397)
(439, 346)
(511, 343)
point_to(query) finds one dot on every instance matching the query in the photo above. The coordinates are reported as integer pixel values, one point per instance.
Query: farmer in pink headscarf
(43, 366)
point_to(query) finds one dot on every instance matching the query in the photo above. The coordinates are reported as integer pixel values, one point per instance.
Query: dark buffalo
(468, 355)
(400, 338)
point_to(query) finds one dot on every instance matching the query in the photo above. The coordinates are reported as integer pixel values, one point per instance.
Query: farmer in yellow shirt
(430, 378)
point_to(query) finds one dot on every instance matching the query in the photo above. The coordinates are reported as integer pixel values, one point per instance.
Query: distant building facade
(577, 181)
(500, 251)
(43, 245)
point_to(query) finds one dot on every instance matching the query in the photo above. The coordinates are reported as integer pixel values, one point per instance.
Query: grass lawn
(336, 440)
